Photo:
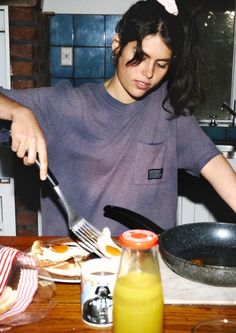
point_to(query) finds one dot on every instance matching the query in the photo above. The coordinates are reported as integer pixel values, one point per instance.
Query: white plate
(62, 279)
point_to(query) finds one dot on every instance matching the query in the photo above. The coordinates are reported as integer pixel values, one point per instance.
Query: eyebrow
(164, 59)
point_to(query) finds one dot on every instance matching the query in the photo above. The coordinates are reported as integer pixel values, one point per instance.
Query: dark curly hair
(179, 33)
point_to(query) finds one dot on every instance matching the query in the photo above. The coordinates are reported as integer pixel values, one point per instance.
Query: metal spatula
(78, 225)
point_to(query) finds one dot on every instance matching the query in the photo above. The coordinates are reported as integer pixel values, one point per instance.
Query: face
(133, 82)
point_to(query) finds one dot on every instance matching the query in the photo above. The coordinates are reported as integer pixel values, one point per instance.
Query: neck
(114, 88)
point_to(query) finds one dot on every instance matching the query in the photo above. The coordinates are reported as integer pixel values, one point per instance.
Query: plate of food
(27, 296)
(60, 257)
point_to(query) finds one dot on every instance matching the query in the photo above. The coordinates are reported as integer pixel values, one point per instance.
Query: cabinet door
(198, 201)
(4, 48)
(2, 20)
(7, 207)
(192, 212)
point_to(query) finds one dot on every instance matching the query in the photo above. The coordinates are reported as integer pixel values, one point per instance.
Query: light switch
(66, 56)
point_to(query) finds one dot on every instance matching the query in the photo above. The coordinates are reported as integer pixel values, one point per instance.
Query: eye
(162, 65)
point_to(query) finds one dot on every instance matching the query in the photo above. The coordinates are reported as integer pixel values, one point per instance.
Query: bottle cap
(138, 239)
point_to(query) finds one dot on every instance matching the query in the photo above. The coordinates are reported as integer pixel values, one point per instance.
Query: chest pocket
(149, 164)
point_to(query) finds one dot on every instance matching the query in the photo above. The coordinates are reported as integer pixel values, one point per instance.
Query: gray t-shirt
(104, 152)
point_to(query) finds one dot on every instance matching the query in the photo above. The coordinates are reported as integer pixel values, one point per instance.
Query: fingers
(14, 144)
(24, 148)
(28, 141)
(29, 150)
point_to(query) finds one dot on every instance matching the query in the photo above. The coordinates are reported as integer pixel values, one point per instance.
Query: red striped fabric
(7, 256)
(27, 286)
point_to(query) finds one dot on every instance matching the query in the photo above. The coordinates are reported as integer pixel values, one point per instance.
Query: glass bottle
(138, 296)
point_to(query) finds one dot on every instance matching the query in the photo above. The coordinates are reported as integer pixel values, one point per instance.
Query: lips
(142, 85)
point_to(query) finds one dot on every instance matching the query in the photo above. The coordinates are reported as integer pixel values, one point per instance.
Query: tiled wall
(90, 38)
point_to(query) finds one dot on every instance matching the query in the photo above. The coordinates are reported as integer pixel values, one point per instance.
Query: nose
(148, 69)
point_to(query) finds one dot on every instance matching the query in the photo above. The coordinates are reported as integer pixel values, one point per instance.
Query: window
(215, 19)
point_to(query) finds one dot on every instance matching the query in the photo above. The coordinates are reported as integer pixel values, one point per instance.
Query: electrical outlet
(66, 56)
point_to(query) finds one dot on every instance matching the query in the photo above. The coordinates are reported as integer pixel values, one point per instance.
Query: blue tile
(89, 30)
(110, 25)
(56, 69)
(89, 62)
(109, 67)
(61, 30)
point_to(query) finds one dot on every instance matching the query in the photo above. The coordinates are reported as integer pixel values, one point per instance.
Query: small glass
(215, 326)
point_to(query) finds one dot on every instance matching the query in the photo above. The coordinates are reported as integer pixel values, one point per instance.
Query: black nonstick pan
(204, 252)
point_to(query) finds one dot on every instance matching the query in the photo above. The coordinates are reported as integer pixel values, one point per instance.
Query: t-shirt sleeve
(48, 104)
(194, 148)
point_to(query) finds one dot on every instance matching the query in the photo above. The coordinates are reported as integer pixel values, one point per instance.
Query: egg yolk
(59, 248)
(112, 250)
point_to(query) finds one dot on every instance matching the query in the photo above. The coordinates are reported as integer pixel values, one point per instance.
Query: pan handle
(131, 219)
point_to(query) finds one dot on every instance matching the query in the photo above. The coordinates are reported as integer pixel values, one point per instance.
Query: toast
(7, 299)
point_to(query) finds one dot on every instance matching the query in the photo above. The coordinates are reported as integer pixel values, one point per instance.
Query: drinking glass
(215, 326)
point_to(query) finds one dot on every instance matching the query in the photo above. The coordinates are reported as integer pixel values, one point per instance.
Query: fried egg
(58, 252)
(106, 245)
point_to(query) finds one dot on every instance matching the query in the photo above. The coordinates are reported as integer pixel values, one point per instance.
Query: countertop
(179, 290)
(66, 316)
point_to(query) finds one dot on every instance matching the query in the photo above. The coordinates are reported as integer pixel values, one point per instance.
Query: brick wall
(29, 47)
(29, 52)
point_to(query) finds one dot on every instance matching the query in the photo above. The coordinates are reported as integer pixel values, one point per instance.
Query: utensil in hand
(77, 224)
(215, 326)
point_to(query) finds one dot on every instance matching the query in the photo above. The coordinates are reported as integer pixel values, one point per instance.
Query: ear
(115, 43)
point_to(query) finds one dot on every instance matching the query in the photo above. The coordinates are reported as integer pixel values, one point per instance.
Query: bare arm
(27, 136)
(222, 177)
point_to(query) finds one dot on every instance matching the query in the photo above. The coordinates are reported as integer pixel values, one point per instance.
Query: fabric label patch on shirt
(155, 173)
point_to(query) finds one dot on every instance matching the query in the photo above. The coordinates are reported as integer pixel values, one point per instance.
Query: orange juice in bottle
(138, 297)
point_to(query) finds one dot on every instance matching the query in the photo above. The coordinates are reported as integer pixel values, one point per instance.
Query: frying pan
(204, 252)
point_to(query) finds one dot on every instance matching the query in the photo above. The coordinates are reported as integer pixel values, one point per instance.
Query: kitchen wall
(80, 47)
(29, 47)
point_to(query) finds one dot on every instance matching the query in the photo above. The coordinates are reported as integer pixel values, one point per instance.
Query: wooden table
(66, 316)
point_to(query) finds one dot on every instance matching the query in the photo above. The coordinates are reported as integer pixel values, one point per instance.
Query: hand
(28, 140)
